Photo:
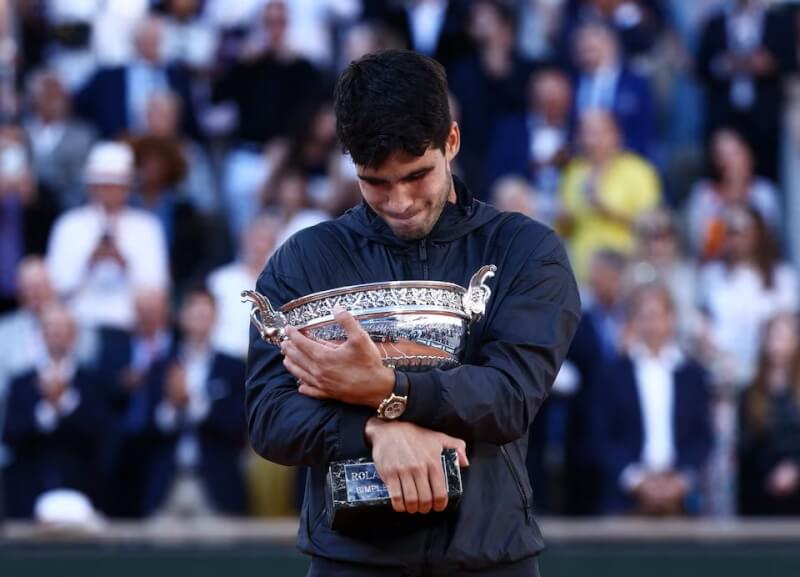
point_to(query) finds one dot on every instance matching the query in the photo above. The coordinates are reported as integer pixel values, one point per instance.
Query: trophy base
(355, 494)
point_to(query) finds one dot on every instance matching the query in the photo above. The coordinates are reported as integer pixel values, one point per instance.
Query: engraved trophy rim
(367, 287)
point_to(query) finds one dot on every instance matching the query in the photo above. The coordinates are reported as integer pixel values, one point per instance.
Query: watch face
(394, 409)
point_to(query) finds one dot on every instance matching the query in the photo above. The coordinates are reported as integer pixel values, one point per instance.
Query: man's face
(409, 192)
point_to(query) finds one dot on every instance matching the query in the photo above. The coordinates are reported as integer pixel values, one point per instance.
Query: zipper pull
(423, 257)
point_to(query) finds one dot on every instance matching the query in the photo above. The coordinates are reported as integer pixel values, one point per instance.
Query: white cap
(109, 163)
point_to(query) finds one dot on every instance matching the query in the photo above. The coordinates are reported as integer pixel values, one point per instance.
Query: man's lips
(402, 217)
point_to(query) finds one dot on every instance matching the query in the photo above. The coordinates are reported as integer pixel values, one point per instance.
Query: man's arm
(495, 398)
(529, 328)
(285, 426)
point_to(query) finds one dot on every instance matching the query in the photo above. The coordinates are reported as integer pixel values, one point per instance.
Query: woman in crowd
(740, 291)
(769, 439)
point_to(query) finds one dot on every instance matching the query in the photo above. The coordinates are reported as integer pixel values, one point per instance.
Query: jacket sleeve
(494, 397)
(285, 426)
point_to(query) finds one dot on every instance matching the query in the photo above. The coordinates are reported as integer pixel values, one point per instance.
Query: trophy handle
(478, 293)
(271, 324)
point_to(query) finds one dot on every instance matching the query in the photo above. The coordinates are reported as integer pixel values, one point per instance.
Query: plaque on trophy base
(354, 490)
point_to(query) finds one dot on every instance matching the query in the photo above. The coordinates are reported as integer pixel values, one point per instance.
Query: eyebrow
(413, 175)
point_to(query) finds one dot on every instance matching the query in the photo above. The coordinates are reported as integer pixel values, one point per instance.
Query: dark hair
(391, 101)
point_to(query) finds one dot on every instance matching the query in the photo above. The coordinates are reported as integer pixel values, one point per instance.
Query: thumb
(349, 323)
(460, 446)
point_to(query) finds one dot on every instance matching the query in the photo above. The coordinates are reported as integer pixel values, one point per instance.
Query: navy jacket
(221, 439)
(64, 457)
(618, 427)
(103, 101)
(511, 358)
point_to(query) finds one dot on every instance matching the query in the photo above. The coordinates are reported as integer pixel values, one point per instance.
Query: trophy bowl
(417, 325)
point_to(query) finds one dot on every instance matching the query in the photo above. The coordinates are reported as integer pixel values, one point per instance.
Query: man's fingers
(460, 446)
(313, 392)
(424, 494)
(438, 488)
(309, 347)
(395, 493)
(300, 373)
(349, 323)
(410, 497)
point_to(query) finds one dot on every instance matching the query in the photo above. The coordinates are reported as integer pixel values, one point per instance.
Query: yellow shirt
(628, 187)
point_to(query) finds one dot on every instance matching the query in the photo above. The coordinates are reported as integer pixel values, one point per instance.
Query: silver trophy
(417, 325)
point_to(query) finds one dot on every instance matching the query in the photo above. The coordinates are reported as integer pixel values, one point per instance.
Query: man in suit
(651, 416)
(115, 99)
(605, 83)
(53, 421)
(536, 144)
(59, 143)
(746, 50)
(197, 422)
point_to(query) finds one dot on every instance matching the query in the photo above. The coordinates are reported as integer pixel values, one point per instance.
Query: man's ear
(453, 143)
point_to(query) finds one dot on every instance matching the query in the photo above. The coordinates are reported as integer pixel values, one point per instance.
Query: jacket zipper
(423, 257)
(522, 493)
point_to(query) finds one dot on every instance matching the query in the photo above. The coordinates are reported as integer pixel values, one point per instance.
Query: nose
(399, 201)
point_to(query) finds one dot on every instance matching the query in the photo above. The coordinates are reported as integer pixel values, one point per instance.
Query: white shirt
(103, 295)
(739, 305)
(655, 386)
(232, 331)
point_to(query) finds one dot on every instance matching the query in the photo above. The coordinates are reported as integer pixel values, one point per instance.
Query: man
(115, 98)
(652, 421)
(416, 222)
(99, 254)
(58, 142)
(197, 417)
(54, 421)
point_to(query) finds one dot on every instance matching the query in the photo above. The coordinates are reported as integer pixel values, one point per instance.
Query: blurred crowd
(154, 153)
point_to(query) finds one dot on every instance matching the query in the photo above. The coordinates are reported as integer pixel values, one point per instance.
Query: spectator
(270, 86)
(740, 292)
(115, 99)
(199, 184)
(652, 417)
(100, 253)
(287, 194)
(25, 213)
(733, 183)
(431, 27)
(59, 143)
(160, 168)
(604, 82)
(514, 194)
(489, 85)
(746, 50)
(636, 23)
(189, 39)
(598, 340)
(769, 438)
(126, 359)
(313, 149)
(604, 190)
(53, 421)
(231, 332)
(198, 416)
(20, 330)
(536, 145)
(659, 258)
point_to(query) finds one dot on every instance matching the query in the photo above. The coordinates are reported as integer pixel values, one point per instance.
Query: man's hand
(351, 372)
(661, 494)
(177, 391)
(784, 479)
(408, 459)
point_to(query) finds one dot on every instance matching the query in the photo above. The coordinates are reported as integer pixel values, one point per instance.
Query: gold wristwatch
(393, 406)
